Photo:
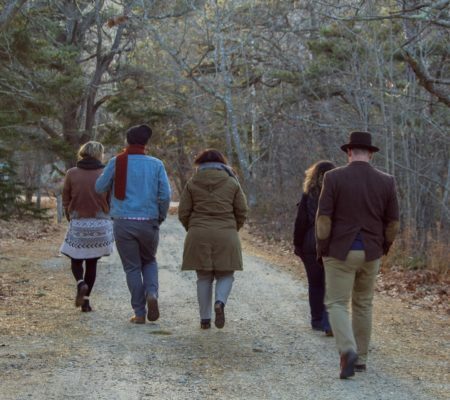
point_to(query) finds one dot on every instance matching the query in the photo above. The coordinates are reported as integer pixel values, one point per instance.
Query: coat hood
(210, 179)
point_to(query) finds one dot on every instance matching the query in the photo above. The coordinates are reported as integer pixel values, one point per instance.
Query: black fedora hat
(360, 140)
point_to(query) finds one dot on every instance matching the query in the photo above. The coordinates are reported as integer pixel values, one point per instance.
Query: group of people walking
(128, 199)
(347, 219)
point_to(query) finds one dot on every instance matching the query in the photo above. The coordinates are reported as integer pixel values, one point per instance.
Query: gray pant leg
(136, 243)
(224, 283)
(204, 293)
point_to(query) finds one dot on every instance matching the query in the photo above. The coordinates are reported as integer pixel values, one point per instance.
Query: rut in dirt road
(266, 350)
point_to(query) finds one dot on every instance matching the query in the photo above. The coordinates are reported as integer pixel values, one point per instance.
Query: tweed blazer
(356, 198)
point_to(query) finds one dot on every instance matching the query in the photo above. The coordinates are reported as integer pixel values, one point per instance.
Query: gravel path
(265, 351)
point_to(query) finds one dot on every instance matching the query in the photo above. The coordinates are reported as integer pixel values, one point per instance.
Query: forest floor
(50, 350)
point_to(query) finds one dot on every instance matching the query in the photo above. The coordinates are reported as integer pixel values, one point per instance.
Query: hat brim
(347, 146)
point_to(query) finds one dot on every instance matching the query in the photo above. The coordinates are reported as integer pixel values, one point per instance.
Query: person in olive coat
(212, 209)
(305, 244)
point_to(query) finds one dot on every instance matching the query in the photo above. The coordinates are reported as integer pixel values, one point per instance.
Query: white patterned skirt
(88, 238)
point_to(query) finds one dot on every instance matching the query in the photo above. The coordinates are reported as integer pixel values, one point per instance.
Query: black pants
(87, 275)
(316, 291)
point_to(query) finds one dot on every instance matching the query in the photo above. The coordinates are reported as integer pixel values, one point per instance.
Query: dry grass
(36, 296)
(439, 258)
(408, 253)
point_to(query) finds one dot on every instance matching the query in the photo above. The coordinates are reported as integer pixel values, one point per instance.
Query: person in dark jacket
(305, 244)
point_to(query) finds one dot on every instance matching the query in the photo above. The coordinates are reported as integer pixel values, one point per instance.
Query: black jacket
(304, 235)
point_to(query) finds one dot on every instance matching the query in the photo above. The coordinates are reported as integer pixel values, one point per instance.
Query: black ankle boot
(86, 307)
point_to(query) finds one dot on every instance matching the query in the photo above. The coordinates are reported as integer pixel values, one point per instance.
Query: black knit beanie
(139, 134)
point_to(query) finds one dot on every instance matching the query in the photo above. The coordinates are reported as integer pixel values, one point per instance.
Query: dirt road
(266, 350)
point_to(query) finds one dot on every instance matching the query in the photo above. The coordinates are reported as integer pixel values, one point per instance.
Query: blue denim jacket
(147, 193)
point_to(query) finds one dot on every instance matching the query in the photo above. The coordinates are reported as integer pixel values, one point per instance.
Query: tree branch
(425, 79)
(48, 130)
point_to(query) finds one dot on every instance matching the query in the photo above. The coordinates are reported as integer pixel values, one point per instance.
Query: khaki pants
(352, 279)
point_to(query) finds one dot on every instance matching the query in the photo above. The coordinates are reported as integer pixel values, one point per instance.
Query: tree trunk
(59, 208)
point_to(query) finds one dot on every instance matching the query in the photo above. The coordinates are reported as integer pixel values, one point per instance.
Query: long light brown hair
(314, 176)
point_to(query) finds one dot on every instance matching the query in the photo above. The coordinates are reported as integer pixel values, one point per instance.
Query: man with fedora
(139, 204)
(356, 223)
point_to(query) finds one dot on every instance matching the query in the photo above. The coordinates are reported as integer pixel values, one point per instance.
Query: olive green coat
(212, 209)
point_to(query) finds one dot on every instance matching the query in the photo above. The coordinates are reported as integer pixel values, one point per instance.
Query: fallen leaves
(423, 288)
(28, 230)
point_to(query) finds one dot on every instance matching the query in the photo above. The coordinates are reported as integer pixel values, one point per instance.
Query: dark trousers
(316, 291)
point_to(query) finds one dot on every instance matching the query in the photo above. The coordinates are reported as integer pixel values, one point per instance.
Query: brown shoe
(220, 314)
(82, 291)
(205, 323)
(152, 308)
(348, 361)
(137, 320)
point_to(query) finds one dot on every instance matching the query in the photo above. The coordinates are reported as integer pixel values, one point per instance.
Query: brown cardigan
(356, 198)
(79, 197)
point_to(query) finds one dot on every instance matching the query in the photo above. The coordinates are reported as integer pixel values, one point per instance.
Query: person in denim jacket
(139, 204)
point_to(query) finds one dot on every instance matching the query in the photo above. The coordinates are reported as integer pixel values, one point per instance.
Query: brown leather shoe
(83, 288)
(220, 314)
(152, 308)
(348, 361)
(205, 324)
(137, 320)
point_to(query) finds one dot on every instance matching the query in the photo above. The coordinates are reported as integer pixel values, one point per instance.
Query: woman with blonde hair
(212, 209)
(90, 234)
(305, 244)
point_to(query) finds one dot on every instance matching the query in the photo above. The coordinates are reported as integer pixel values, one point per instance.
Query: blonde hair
(91, 149)
(314, 176)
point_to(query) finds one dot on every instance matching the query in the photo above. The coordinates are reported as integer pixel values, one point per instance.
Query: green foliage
(11, 190)
(137, 108)
(41, 78)
(23, 96)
